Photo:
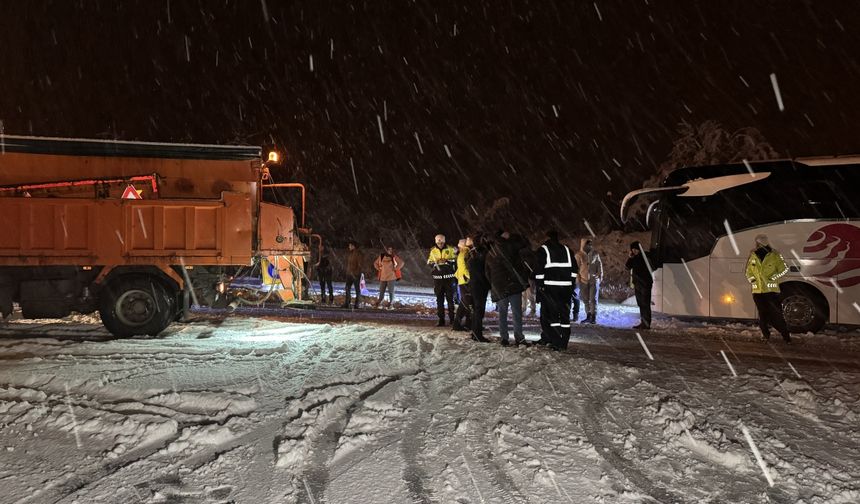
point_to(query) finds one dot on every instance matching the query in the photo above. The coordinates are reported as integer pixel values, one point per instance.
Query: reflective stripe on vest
(550, 264)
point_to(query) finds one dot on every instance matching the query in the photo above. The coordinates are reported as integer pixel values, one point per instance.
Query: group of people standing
(388, 271)
(506, 269)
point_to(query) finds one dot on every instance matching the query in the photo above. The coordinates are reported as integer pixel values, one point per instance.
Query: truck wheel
(805, 308)
(136, 305)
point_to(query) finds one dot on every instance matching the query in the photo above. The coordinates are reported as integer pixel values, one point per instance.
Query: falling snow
(555, 113)
(775, 85)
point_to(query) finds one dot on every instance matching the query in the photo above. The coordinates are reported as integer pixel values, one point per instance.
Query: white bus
(704, 221)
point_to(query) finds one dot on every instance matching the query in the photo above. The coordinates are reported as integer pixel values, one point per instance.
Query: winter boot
(441, 323)
(479, 338)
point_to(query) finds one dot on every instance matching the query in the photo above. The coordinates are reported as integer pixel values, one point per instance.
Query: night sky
(531, 100)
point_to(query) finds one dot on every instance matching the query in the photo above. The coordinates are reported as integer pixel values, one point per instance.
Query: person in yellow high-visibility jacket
(464, 309)
(442, 259)
(765, 267)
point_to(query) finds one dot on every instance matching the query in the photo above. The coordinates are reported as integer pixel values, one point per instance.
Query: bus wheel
(133, 305)
(805, 308)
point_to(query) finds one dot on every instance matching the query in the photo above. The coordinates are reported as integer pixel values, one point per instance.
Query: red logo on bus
(839, 246)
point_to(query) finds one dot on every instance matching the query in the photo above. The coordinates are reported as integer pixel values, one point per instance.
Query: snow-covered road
(242, 409)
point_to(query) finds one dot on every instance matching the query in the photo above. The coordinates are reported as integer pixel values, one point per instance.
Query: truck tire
(804, 307)
(134, 305)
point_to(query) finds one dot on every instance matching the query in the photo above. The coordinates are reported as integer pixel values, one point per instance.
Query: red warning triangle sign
(131, 193)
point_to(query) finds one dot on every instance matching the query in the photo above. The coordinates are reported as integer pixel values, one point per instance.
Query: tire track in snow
(409, 438)
(482, 448)
(324, 446)
(594, 428)
(413, 437)
(475, 449)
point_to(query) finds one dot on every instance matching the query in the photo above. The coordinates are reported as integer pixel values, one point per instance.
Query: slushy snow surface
(269, 411)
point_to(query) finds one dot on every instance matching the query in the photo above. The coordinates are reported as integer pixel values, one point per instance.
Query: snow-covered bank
(251, 410)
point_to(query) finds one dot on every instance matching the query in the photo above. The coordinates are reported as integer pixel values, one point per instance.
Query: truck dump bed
(61, 231)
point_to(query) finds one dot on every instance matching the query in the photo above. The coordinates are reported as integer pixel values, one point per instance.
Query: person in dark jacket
(324, 271)
(508, 275)
(479, 286)
(640, 271)
(354, 265)
(530, 294)
(555, 274)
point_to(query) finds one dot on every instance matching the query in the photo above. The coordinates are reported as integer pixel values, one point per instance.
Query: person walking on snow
(765, 267)
(387, 265)
(442, 260)
(643, 280)
(506, 271)
(354, 266)
(555, 274)
(324, 271)
(589, 277)
(464, 308)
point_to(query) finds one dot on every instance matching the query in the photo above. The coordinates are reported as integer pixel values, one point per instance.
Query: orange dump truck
(134, 230)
